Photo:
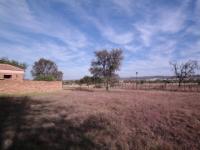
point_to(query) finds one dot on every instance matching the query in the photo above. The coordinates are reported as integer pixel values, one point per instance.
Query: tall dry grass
(116, 120)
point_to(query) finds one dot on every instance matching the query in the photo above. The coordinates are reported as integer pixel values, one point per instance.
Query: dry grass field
(119, 119)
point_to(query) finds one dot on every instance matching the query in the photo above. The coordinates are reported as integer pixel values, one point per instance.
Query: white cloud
(195, 28)
(132, 47)
(165, 47)
(124, 5)
(115, 37)
(111, 34)
(27, 48)
(197, 9)
(156, 29)
(171, 20)
(146, 32)
(168, 21)
(154, 64)
(64, 58)
(19, 14)
(105, 29)
(191, 51)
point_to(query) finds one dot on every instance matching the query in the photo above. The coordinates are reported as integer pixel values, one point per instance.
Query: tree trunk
(107, 85)
(179, 83)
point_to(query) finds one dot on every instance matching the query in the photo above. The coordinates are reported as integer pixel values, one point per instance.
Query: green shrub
(45, 78)
(98, 86)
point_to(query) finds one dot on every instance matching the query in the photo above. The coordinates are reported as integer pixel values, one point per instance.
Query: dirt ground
(120, 119)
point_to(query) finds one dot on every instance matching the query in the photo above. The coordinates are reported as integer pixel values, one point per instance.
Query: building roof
(10, 67)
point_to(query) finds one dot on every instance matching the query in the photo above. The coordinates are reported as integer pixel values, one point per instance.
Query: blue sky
(151, 33)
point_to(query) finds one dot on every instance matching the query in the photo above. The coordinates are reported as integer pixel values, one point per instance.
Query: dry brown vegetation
(136, 120)
(186, 87)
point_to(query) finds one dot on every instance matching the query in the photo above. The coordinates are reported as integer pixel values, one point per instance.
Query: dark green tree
(87, 80)
(106, 64)
(97, 80)
(45, 69)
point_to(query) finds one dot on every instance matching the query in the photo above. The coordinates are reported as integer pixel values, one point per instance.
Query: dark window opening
(7, 76)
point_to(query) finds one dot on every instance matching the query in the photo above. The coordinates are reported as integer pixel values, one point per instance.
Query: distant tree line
(90, 80)
(103, 69)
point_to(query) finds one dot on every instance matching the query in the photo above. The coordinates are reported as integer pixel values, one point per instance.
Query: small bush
(44, 78)
(98, 86)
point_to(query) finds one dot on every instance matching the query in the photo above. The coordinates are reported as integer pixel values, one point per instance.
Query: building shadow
(26, 124)
(12, 111)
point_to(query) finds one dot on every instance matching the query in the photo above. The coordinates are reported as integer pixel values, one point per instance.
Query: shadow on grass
(13, 122)
(30, 124)
(25, 124)
(12, 111)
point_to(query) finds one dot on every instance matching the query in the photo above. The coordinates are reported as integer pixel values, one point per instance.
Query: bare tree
(184, 70)
(106, 64)
(45, 69)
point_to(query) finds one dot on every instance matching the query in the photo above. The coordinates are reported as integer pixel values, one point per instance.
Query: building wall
(20, 87)
(14, 76)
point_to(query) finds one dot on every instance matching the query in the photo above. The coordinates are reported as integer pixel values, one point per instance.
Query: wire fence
(187, 87)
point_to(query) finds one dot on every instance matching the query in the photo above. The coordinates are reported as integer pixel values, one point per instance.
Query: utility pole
(136, 79)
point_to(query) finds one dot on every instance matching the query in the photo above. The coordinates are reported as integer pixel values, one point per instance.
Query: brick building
(10, 72)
